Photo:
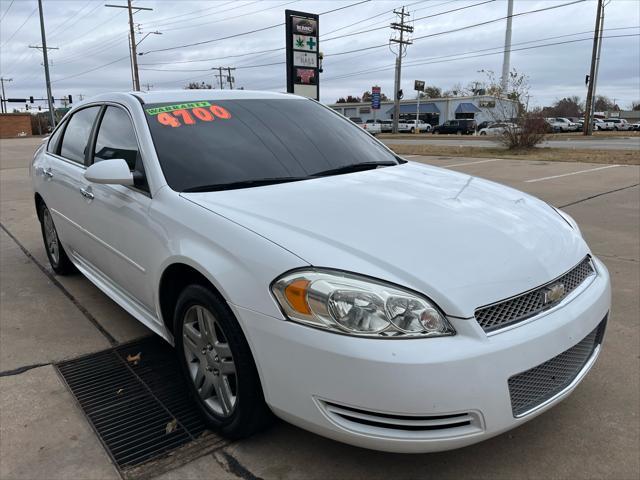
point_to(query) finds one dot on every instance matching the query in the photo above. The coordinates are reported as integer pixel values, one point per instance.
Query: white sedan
(498, 129)
(301, 268)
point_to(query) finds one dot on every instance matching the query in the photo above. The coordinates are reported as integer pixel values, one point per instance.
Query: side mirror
(113, 172)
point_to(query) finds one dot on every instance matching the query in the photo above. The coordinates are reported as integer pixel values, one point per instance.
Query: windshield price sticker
(189, 116)
(179, 106)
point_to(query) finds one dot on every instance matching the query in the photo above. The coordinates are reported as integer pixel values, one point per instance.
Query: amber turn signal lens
(296, 294)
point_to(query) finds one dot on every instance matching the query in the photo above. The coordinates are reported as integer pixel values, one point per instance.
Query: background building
(437, 110)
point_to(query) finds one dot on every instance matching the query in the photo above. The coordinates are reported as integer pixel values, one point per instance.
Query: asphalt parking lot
(595, 433)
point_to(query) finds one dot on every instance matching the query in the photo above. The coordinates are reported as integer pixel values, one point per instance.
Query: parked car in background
(458, 127)
(561, 124)
(419, 125)
(372, 128)
(383, 125)
(619, 124)
(635, 126)
(308, 271)
(603, 124)
(498, 128)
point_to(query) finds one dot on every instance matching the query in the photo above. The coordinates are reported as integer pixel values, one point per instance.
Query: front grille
(526, 305)
(535, 386)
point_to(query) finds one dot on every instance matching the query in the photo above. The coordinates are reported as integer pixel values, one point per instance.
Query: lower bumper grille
(530, 389)
(386, 424)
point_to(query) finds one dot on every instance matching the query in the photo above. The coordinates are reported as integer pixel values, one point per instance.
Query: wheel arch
(39, 202)
(174, 278)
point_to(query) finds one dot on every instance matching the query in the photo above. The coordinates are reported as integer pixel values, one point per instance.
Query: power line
(414, 64)
(20, 27)
(198, 17)
(322, 37)
(414, 20)
(459, 29)
(159, 21)
(229, 18)
(262, 29)
(6, 11)
(68, 19)
(90, 70)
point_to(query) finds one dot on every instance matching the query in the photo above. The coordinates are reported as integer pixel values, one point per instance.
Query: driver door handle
(86, 193)
(47, 172)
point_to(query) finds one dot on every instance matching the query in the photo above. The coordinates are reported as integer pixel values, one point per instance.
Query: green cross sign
(311, 43)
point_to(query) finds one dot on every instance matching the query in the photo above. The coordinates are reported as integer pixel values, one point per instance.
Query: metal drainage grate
(138, 404)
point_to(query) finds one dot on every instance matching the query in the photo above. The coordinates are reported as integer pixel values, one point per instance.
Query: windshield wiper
(242, 184)
(355, 167)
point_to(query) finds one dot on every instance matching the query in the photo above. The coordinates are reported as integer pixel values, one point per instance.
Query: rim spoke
(223, 350)
(223, 393)
(207, 386)
(199, 376)
(192, 339)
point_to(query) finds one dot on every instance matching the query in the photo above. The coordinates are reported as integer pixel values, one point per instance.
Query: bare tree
(527, 129)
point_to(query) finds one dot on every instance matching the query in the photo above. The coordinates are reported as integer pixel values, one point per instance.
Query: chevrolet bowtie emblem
(553, 293)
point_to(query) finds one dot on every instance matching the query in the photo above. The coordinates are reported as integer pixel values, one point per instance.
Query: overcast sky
(90, 36)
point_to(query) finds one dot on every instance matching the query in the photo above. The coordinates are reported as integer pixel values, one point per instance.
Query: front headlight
(356, 305)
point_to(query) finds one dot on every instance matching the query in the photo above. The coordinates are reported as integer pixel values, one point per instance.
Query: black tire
(413, 130)
(250, 413)
(483, 133)
(56, 254)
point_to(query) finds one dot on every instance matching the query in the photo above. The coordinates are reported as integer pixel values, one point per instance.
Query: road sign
(418, 85)
(375, 98)
(302, 53)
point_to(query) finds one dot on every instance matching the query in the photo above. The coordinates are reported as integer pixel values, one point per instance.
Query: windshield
(250, 140)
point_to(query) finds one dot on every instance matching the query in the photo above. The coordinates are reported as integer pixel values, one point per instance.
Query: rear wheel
(217, 364)
(58, 258)
(483, 133)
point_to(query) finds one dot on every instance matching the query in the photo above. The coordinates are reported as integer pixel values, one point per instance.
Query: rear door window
(75, 141)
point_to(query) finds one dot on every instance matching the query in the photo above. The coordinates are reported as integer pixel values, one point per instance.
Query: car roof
(163, 96)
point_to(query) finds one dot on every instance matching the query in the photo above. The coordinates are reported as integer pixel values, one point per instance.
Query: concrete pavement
(593, 434)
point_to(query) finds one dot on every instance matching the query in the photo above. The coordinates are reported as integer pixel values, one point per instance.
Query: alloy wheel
(51, 237)
(209, 360)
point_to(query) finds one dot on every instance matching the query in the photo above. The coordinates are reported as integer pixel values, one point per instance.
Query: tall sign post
(303, 67)
(418, 86)
(375, 100)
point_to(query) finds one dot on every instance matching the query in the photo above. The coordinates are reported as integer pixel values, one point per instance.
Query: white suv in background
(620, 124)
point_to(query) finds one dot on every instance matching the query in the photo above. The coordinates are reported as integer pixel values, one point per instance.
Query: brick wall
(13, 124)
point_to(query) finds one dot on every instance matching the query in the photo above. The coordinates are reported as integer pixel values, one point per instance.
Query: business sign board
(375, 98)
(302, 53)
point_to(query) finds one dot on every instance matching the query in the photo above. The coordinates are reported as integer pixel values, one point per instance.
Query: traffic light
(30, 99)
(400, 94)
(70, 99)
(26, 106)
(39, 108)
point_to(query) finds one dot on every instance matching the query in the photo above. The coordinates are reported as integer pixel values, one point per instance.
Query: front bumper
(352, 389)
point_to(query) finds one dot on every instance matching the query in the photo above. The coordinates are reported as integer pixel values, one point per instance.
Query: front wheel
(58, 258)
(483, 133)
(217, 364)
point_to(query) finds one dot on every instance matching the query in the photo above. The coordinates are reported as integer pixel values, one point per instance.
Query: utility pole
(219, 75)
(403, 28)
(3, 105)
(506, 59)
(230, 79)
(47, 78)
(132, 38)
(597, 42)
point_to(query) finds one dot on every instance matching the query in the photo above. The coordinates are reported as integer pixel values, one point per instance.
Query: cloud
(90, 35)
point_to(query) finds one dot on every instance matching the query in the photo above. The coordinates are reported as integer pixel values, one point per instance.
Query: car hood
(461, 240)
